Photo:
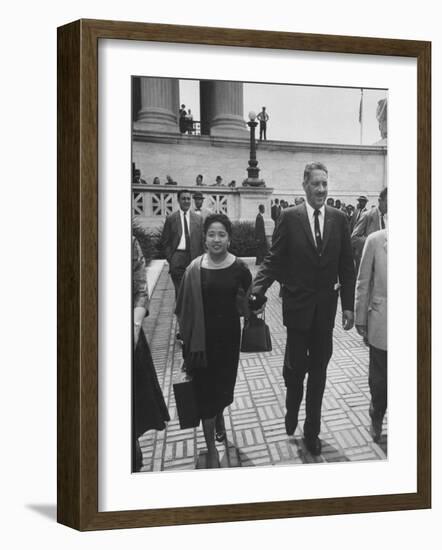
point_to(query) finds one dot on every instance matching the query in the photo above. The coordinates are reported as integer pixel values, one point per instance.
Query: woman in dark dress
(213, 288)
(149, 411)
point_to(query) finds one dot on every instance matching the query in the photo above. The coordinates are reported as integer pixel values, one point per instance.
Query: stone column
(226, 110)
(206, 105)
(159, 105)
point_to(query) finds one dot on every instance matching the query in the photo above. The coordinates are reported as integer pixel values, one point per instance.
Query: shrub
(150, 241)
(243, 239)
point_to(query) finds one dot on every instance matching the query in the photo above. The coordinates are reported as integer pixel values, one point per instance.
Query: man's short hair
(276, 201)
(198, 195)
(313, 166)
(181, 191)
(383, 193)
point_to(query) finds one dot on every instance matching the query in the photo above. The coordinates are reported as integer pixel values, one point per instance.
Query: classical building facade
(221, 147)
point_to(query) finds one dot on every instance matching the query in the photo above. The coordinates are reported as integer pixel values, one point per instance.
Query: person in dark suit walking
(260, 236)
(182, 238)
(275, 211)
(311, 257)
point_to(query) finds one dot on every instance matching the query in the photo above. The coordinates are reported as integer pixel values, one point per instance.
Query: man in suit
(311, 257)
(275, 211)
(260, 236)
(361, 208)
(182, 238)
(198, 207)
(263, 118)
(371, 322)
(373, 220)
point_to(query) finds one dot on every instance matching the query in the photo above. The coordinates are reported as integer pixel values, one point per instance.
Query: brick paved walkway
(255, 420)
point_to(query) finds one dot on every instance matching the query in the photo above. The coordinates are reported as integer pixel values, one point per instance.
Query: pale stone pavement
(255, 420)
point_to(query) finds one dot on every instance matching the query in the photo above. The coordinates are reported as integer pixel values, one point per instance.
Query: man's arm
(166, 237)
(272, 266)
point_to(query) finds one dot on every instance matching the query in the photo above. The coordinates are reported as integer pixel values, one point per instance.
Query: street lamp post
(253, 171)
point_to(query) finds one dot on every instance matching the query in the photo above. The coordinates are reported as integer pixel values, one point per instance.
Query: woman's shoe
(220, 436)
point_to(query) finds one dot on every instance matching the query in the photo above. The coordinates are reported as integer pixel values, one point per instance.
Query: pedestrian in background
(260, 236)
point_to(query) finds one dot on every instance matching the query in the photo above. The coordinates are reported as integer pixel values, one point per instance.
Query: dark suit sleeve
(347, 277)
(166, 238)
(272, 267)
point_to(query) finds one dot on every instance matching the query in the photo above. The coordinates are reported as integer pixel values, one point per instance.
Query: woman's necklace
(226, 260)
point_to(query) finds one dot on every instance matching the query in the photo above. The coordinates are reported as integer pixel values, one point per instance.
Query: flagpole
(361, 115)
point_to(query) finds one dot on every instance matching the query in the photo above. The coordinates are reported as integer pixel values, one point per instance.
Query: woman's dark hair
(221, 218)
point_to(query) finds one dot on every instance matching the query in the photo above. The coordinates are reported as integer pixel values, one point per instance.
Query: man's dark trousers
(307, 352)
(178, 264)
(377, 381)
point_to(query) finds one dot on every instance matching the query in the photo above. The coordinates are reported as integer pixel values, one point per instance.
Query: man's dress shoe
(313, 445)
(290, 426)
(376, 431)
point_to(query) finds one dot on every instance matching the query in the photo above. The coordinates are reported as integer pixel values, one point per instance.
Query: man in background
(198, 207)
(361, 208)
(275, 210)
(182, 238)
(371, 221)
(260, 236)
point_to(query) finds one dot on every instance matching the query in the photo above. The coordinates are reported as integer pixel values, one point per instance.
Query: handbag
(255, 335)
(185, 400)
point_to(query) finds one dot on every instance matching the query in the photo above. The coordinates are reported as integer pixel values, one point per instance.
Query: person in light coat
(371, 322)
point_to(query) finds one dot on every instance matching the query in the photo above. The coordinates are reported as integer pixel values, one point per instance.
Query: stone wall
(353, 170)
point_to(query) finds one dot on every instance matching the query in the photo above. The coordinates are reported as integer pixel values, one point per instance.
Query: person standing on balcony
(189, 122)
(263, 118)
(182, 119)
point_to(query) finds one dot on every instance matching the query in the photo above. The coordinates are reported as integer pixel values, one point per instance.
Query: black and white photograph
(259, 274)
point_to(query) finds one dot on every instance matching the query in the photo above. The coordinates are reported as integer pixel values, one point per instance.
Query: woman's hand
(139, 314)
(137, 329)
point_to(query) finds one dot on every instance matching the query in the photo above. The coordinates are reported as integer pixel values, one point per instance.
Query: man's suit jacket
(357, 215)
(275, 212)
(367, 224)
(203, 213)
(309, 280)
(260, 232)
(371, 289)
(172, 232)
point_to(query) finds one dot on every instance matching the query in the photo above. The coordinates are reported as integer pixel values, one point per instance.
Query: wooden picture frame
(77, 460)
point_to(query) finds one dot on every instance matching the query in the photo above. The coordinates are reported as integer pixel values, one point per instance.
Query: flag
(360, 106)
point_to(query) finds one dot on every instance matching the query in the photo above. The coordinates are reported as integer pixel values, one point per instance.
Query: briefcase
(255, 335)
(185, 400)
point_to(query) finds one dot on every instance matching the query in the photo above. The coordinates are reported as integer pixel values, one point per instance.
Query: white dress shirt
(311, 219)
(182, 243)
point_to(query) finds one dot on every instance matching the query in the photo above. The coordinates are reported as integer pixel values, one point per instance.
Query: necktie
(186, 232)
(318, 232)
(382, 221)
